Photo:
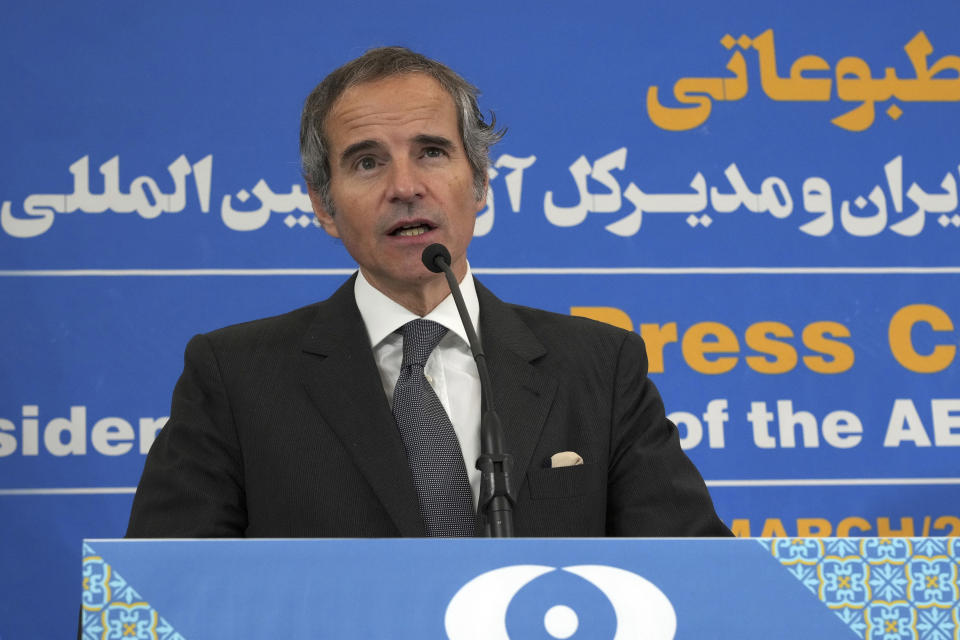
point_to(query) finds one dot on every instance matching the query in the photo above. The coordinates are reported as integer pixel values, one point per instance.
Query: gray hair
(476, 135)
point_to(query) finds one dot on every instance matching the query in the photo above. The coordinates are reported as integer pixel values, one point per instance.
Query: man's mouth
(417, 229)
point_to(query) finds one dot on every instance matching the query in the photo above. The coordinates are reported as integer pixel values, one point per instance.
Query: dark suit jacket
(280, 428)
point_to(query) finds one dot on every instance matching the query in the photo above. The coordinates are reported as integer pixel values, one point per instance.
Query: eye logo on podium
(479, 608)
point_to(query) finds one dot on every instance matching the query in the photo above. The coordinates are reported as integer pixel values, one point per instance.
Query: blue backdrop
(766, 191)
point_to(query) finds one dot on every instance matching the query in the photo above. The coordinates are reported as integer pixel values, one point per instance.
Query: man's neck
(422, 297)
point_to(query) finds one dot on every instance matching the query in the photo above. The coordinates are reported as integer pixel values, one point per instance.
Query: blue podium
(657, 589)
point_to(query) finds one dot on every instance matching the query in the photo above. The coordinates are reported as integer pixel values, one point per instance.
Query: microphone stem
(475, 346)
(496, 491)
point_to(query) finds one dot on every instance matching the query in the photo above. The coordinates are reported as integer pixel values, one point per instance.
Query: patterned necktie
(433, 451)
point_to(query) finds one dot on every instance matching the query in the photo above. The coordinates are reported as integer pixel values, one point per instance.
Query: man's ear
(482, 200)
(324, 217)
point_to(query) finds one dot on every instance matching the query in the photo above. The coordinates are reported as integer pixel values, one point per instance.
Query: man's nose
(406, 183)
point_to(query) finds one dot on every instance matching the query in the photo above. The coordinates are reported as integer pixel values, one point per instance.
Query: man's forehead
(414, 99)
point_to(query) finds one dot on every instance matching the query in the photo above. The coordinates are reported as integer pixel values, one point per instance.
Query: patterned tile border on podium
(882, 588)
(113, 610)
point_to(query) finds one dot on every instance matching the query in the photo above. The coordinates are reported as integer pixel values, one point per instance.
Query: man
(324, 423)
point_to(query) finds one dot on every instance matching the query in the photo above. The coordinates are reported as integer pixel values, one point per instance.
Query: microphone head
(432, 256)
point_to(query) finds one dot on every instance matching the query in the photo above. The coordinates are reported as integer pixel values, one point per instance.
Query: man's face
(399, 179)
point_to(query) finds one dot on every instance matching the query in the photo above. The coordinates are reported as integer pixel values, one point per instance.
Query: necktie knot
(420, 338)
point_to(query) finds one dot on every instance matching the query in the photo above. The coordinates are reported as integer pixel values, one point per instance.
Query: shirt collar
(382, 316)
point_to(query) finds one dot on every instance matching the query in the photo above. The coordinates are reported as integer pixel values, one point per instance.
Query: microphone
(496, 490)
(433, 254)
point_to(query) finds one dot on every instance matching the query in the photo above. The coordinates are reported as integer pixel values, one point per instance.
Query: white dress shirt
(450, 370)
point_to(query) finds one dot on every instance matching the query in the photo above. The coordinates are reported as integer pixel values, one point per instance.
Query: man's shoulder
(588, 353)
(293, 323)
(288, 328)
(557, 329)
(561, 321)
(550, 328)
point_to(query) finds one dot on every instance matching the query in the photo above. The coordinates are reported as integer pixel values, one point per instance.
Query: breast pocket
(565, 482)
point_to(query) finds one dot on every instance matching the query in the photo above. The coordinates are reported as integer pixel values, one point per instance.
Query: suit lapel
(522, 393)
(342, 379)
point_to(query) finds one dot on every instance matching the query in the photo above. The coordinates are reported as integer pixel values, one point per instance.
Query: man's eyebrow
(433, 141)
(356, 149)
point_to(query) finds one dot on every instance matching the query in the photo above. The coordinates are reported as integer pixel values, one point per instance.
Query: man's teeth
(413, 231)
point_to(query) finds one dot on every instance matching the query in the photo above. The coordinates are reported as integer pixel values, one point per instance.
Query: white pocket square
(565, 459)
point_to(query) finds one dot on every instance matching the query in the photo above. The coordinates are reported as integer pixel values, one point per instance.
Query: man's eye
(434, 152)
(367, 164)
